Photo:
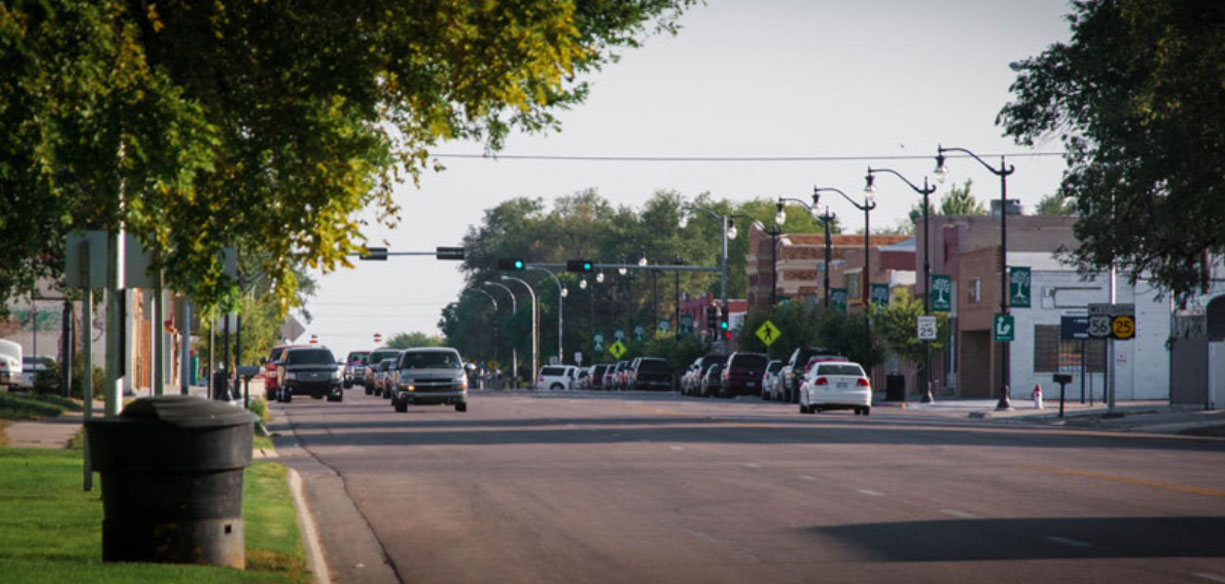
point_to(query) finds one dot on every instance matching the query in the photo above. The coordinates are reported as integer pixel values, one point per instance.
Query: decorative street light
(865, 289)
(825, 218)
(926, 191)
(495, 313)
(514, 351)
(1003, 171)
(535, 325)
(561, 293)
(726, 233)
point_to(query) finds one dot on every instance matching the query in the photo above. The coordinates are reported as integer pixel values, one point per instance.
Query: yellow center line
(1129, 480)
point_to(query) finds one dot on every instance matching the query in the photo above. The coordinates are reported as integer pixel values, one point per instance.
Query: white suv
(556, 377)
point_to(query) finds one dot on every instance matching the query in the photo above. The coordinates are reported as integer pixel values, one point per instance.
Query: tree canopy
(1137, 96)
(266, 125)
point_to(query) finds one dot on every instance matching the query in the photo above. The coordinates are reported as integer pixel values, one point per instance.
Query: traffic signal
(375, 253)
(511, 263)
(712, 317)
(727, 331)
(584, 266)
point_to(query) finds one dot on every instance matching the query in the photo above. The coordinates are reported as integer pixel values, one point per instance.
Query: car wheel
(287, 396)
(867, 410)
(461, 406)
(335, 398)
(401, 406)
(804, 409)
(348, 384)
(556, 387)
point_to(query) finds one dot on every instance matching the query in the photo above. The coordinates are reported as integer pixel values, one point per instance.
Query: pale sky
(820, 78)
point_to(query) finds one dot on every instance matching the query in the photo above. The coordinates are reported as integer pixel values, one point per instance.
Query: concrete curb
(310, 533)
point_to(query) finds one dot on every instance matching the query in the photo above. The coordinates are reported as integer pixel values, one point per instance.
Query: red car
(270, 364)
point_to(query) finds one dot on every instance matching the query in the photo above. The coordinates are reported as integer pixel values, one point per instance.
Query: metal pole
(560, 312)
(829, 241)
(774, 267)
(723, 283)
(927, 295)
(114, 323)
(867, 279)
(66, 343)
(87, 380)
(514, 351)
(1004, 404)
(185, 350)
(677, 298)
(535, 329)
(34, 324)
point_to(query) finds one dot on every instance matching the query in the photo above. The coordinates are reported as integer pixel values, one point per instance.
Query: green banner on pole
(1019, 287)
(942, 292)
(837, 299)
(880, 295)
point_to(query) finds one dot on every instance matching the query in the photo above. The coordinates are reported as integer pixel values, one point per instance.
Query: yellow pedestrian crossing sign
(768, 333)
(617, 349)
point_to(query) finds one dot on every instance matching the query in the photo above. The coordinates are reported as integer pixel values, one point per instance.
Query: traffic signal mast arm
(595, 267)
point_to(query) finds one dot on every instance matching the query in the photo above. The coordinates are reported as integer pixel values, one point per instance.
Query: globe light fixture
(731, 228)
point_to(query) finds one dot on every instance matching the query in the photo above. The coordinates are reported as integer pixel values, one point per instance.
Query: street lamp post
(926, 191)
(561, 294)
(514, 351)
(684, 220)
(535, 325)
(1003, 171)
(866, 287)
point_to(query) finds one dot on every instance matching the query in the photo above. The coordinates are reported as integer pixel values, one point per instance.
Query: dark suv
(309, 370)
(742, 376)
(355, 368)
(651, 373)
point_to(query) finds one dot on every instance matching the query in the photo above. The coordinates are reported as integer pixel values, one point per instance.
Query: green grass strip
(51, 530)
(27, 407)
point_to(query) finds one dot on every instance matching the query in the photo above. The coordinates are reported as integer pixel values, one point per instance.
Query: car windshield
(774, 366)
(386, 364)
(310, 357)
(429, 360)
(358, 358)
(653, 365)
(552, 372)
(749, 361)
(840, 369)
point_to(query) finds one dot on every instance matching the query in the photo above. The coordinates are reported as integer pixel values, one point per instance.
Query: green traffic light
(723, 325)
(518, 264)
(586, 266)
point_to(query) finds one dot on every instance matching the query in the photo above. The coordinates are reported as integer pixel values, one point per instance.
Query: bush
(259, 407)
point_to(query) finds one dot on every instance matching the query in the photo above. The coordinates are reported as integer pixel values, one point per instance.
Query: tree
(414, 339)
(178, 120)
(898, 324)
(959, 201)
(1055, 204)
(1136, 98)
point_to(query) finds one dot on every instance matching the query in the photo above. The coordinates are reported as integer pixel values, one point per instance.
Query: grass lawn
(29, 406)
(51, 530)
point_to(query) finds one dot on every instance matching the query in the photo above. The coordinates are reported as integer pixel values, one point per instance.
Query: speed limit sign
(927, 328)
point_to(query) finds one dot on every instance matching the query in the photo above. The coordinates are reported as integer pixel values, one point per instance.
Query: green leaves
(1136, 97)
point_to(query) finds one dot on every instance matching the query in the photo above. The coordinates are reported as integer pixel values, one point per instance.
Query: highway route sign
(1112, 321)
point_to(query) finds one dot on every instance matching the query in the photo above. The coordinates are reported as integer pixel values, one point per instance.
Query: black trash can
(895, 388)
(172, 471)
(221, 385)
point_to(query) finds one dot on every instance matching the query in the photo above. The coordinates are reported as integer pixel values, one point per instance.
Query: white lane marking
(1067, 541)
(1209, 577)
(677, 447)
(806, 477)
(871, 492)
(956, 513)
(752, 465)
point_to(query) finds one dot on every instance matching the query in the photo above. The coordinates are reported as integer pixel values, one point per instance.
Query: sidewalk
(1155, 416)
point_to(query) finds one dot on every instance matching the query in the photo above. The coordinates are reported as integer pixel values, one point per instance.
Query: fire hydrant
(1037, 395)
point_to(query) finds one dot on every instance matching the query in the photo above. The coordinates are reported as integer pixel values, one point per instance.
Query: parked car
(794, 370)
(770, 380)
(309, 370)
(32, 365)
(704, 364)
(619, 375)
(596, 380)
(651, 373)
(836, 385)
(710, 380)
(355, 367)
(742, 375)
(582, 377)
(271, 363)
(429, 375)
(372, 362)
(689, 375)
(10, 363)
(553, 377)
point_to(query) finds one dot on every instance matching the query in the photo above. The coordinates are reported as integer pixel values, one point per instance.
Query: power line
(780, 159)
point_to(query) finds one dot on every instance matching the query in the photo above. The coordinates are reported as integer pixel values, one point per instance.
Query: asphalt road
(636, 488)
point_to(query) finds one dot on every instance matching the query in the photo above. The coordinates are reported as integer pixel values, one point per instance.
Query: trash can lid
(187, 411)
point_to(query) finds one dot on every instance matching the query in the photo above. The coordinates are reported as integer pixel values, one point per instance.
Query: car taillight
(863, 382)
(821, 381)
